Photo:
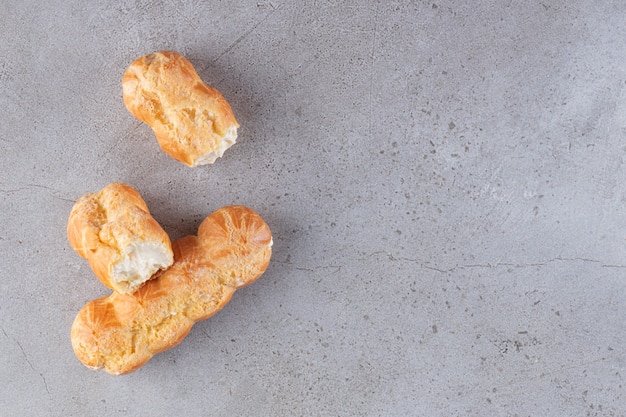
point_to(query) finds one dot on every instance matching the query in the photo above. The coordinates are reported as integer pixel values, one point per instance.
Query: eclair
(115, 232)
(192, 121)
(121, 332)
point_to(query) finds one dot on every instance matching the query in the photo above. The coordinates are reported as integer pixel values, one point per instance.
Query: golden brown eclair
(114, 231)
(192, 121)
(121, 332)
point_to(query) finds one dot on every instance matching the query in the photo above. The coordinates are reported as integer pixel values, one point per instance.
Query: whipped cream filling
(140, 261)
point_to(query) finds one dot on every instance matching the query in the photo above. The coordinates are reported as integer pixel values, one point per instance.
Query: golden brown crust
(192, 121)
(106, 227)
(121, 332)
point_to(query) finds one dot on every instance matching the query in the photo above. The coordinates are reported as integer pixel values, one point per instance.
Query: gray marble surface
(444, 181)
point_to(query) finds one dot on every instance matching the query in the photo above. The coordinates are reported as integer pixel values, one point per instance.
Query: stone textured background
(444, 181)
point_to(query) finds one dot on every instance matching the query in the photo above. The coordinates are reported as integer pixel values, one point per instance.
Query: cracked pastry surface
(115, 232)
(192, 121)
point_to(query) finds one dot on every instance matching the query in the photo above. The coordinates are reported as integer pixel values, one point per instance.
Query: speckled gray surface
(444, 181)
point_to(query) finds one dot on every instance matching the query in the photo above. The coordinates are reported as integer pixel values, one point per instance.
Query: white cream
(139, 262)
(228, 140)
